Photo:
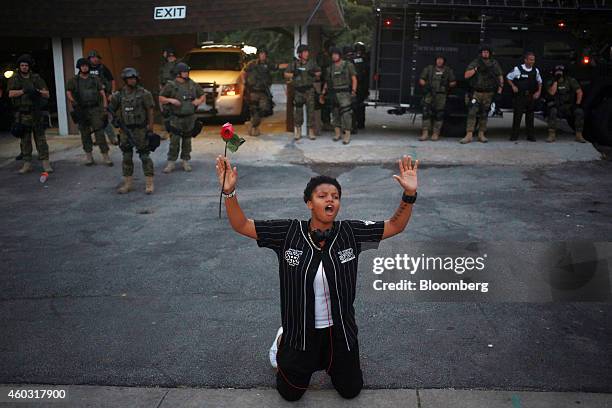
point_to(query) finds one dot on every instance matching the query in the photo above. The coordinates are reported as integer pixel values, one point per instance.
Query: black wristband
(409, 199)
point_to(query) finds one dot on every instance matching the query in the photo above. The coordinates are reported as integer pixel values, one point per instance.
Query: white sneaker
(274, 348)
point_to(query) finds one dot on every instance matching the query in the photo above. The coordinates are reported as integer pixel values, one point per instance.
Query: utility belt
(24, 110)
(525, 93)
(132, 127)
(88, 105)
(257, 89)
(303, 88)
(484, 90)
(182, 115)
(339, 90)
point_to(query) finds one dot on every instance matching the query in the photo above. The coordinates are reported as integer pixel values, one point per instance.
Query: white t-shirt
(322, 301)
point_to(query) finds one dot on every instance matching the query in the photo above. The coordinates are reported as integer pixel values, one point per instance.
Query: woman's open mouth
(329, 209)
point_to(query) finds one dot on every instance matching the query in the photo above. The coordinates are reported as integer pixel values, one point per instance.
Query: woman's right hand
(231, 177)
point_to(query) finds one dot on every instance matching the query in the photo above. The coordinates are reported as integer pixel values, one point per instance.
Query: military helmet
(25, 58)
(169, 50)
(347, 49)
(129, 72)
(262, 50)
(82, 61)
(301, 48)
(559, 68)
(485, 47)
(335, 50)
(180, 67)
(439, 56)
(359, 47)
(94, 53)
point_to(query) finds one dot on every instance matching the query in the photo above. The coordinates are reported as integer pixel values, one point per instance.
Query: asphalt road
(134, 290)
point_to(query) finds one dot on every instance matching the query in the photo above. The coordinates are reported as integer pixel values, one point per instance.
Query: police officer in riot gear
(166, 69)
(88, 101)
(341, 87)
(27, 92)
(361, 61)
(486, 79)
(526, 83)
(564, 95)
(183, 96)
(436, 80)
(258, 79)
(302, 73)
(101, 71)
(133, 107)
(324, 61)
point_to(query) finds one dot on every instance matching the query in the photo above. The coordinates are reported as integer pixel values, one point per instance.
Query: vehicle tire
(454, 126)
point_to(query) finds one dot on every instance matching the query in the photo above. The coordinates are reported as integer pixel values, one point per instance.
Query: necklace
(312, 241)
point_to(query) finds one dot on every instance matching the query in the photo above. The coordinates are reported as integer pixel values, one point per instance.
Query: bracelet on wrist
(409, 199)
(229, 195)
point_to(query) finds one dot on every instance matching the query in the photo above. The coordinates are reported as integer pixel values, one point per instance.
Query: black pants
(296, 367)
(523, 104)
(359, 113)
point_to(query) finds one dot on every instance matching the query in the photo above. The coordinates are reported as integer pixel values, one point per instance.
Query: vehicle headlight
(8, 73)
(230, 90)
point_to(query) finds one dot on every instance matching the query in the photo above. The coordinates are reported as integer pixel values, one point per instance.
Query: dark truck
(410, 33)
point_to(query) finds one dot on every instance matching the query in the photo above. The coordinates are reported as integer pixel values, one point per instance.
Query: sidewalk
(118, 397)
(385, 139)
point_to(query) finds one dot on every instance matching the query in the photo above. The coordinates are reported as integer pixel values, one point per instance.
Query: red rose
(227, 131)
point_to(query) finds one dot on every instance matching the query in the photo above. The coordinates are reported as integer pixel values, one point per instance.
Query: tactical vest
(258, 77)
(565, 94)
(340, 80)
(527, 81)
(132, 108)
(24, 102)
(87, 93)
(166, 73)
(438, 80)
(97, 72)
(302, 74)
(186, 94)
(485, 80)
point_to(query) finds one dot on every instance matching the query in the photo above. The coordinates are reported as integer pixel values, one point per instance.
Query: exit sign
(169, 12)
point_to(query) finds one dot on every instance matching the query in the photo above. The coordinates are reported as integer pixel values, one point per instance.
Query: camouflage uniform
(563, 104)
(105, 76)
(182, 119)
(339, 87)
(131, 106)
(304, 73)
(437, 84)
(88, 101)
(27, 113)
(324, 61)
(484, 84)
(166, 72)
(258, 82)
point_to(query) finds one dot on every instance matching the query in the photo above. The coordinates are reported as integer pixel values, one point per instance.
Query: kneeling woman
(318, 272)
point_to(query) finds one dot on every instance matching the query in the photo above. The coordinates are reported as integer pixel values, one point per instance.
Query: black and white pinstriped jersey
(298, 262)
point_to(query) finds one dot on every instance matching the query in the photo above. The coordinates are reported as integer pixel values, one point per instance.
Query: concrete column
(60, 89)
(77, 48)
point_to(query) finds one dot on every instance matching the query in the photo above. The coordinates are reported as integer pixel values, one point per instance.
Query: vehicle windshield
(221, 61)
